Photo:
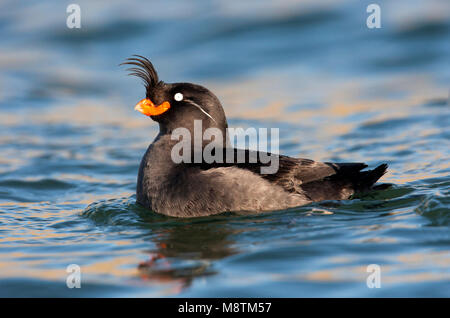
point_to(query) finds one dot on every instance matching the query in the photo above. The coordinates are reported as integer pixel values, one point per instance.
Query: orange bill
(147, 107)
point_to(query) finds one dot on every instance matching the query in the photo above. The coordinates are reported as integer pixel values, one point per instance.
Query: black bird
(200, 188)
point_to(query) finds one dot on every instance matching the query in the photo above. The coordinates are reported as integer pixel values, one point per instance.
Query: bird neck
(198, 133)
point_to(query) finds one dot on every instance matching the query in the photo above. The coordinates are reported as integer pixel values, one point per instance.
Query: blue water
(70, 146)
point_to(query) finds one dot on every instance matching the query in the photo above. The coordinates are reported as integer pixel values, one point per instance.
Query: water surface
(70, 146)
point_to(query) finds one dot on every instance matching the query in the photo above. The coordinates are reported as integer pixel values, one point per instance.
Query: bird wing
(291, 173)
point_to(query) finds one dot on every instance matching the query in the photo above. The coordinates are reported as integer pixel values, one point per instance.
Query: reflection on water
(70, 145)
(196, 246)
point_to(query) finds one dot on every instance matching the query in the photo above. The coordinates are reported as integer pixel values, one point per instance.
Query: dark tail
(348, 180)
(366, 179)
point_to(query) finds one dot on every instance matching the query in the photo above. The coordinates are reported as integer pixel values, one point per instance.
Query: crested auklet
(193, 188)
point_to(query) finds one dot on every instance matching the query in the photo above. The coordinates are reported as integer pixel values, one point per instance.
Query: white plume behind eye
(202, 110)
(178, 97)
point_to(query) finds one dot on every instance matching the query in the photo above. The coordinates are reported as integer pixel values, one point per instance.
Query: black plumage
(197, 189)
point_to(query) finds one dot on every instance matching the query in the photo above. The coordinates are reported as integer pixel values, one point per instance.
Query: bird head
(175, 105)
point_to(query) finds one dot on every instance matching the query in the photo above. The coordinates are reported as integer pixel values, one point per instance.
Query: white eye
(178, 97)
